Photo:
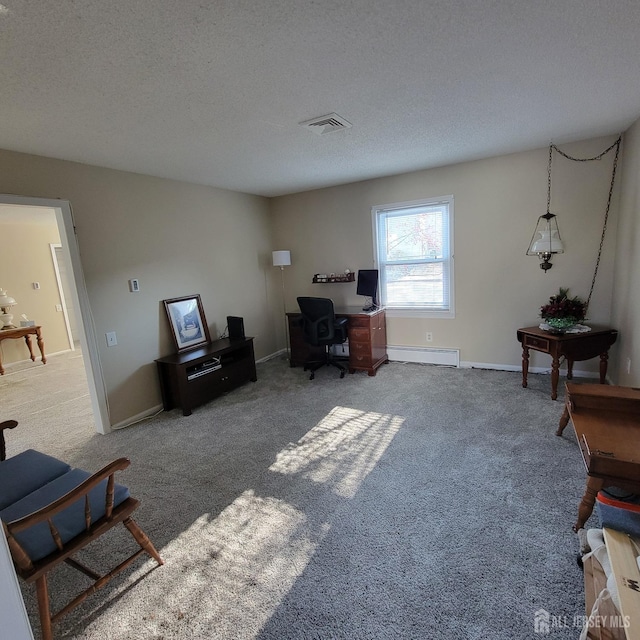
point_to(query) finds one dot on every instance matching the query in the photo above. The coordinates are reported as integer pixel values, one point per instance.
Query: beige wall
(177, 239)
(497, 202)
(26, 258)
(626, 304)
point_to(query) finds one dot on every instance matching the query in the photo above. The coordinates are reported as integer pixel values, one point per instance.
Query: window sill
(418, 313)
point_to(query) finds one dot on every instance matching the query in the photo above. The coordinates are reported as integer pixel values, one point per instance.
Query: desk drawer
(360, 360)
(360, 321)
(534, 342)
(361, 349)
(359, 334)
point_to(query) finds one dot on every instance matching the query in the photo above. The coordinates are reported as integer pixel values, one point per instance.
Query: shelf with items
(322, 278)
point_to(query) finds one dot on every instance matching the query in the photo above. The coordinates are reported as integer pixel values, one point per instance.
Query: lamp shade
(6, 318)
(6, 300)
(548, 242)
(281, 258)
(546, 238)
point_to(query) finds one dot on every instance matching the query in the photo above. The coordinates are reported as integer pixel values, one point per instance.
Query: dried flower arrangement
(561, 312)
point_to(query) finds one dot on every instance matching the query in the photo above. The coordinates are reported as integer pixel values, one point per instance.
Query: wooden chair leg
(142, 539)
(43, 607)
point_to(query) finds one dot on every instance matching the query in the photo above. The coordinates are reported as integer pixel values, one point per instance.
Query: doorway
(64, 278)
(75, 297)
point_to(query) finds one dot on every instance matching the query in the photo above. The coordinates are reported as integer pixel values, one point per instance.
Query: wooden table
(606, 420)
(26, 333)
(572, 346)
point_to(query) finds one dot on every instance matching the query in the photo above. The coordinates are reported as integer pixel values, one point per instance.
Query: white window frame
(447, 260)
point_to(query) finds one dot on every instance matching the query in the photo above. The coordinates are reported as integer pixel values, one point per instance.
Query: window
(414, 254)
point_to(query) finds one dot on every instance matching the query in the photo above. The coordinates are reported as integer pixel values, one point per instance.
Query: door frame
(86, 328)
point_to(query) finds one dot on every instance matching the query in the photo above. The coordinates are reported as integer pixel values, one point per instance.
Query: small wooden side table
(606, 420)
(26, 333)
(572, 346)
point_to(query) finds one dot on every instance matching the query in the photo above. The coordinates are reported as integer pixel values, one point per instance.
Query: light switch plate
(112, 341)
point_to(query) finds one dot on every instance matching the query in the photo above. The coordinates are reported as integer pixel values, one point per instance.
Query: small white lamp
(6, 302)
(282, 259)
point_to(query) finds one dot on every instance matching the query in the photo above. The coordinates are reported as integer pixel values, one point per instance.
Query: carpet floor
(424, 502)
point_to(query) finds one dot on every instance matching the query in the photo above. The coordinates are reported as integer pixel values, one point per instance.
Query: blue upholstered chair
(49, 511)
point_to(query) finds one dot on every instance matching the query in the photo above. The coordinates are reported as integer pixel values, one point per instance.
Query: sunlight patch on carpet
(230, 572)
(341, 450)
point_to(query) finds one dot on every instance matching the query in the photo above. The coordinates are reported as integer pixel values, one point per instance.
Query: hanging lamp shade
(546, 240)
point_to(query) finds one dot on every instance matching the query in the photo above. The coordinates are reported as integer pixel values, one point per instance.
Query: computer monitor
(368, 286)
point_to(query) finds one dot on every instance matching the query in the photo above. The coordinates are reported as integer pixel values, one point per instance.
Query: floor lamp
(282, 259)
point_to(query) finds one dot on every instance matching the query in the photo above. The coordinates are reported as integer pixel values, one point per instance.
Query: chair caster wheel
(312, 376)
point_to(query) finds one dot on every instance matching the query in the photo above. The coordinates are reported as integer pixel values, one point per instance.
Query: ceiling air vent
(326, 124)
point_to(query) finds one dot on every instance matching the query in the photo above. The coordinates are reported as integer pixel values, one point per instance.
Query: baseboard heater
(425, 355)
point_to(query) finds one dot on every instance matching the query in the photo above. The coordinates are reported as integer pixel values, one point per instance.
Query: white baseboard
(445, 357)
(577, 373)
(143, 415)
(271, 356)
(38, 359)
(424, 355)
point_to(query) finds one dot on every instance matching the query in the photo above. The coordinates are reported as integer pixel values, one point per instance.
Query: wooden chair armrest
(7, 424)
(45, 513)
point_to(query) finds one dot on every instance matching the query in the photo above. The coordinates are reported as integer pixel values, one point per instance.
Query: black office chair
(321, 328)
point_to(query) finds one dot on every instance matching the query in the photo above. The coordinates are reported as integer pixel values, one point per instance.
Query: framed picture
(188, 324)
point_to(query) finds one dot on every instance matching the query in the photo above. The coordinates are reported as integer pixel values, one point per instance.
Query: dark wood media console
(192, 378)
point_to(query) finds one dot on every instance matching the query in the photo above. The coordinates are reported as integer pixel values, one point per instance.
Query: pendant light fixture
(546, 240)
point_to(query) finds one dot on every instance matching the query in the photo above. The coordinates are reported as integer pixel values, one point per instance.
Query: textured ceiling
(212, 91)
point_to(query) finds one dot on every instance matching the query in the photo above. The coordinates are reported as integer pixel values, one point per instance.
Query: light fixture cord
(616, 146)
(551, 147)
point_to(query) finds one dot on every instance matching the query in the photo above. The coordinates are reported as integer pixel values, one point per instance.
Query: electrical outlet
(58, 307)
(429, 336)
(112, 341)
(134, 285)
(36, 285)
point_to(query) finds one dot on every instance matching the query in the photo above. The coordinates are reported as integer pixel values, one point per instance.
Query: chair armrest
(340, 331)
(7, 424)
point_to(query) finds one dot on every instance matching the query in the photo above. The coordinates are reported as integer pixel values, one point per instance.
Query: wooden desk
(572, 346)
(367, 335)
(26, 333)
(606, 420)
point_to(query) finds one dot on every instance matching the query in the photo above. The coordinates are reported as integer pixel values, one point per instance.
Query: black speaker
(236, 327)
